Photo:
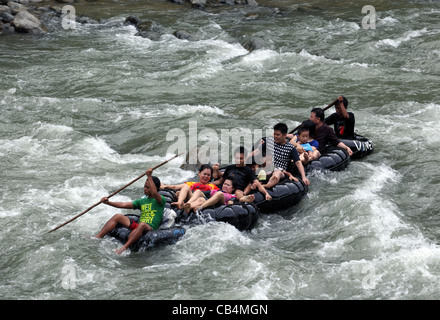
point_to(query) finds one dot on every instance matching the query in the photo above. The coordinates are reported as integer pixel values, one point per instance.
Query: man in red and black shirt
(342, 120)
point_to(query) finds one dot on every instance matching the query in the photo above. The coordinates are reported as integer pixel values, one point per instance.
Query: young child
(306, 152)
(151, 208)
(225, 196)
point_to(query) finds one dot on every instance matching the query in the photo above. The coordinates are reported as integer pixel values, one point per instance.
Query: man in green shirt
(151, 207)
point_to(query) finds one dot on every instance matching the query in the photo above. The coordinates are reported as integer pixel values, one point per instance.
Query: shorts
(133, 224)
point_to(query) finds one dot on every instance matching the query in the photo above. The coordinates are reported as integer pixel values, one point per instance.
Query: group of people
(238, 180)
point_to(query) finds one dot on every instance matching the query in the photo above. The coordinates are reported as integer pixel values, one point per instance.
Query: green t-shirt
(151, 210)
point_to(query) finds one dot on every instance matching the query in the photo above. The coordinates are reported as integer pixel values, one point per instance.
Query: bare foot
(177, 204)
(248, 198)
(306, 156)
(187, 207)
(120, 250)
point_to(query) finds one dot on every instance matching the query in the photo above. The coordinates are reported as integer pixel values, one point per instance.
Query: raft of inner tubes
(243, 216)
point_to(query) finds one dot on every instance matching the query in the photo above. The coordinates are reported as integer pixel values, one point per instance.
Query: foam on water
(405, 38)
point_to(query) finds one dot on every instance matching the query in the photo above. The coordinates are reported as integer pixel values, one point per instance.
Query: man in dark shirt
(242, 175)
(324, 134)
(342, 120)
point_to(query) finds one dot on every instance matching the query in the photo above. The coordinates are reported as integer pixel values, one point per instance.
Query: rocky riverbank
(36, 16)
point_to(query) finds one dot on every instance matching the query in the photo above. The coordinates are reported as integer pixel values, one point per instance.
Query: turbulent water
(84, 111)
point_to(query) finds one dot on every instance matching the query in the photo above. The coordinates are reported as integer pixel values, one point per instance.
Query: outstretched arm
(123, 205)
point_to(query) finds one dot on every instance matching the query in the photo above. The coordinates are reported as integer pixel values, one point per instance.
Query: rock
(179, 1)
(253, 43)
(6, 17)
(28, 23)
(133, 20)
(252, 2)
(6, 28)
(5, 9)
(66, 1)
(252, 16)
(148, 30)
(16, 7)
(183, 35)
(145, 26)
(198, 3)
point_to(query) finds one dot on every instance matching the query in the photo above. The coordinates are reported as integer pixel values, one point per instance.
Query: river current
(86, 110)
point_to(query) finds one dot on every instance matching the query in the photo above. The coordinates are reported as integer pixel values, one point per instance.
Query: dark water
(85, 111)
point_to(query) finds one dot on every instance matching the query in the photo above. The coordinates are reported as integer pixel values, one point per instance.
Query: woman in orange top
(187, 188)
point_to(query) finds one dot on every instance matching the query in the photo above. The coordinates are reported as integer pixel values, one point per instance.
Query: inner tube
(332, 159)
(360, 145)
(285, 194)
(168, 233)
(242, 215)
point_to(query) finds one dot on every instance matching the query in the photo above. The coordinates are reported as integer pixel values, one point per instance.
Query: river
(86, 110)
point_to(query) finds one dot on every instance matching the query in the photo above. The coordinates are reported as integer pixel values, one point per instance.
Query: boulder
(6, 17)
(6, 9)
(133, 20)
(28, 23)
(183, 35)
(16, 7)
(148, 30)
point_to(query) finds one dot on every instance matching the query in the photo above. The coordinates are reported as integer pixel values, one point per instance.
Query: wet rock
(133, 20)
(253, 43)
(28, 23)
(148, 29)
(252, 16)
(183, 35)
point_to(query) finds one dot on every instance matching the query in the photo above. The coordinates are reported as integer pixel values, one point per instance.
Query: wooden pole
(117, 191)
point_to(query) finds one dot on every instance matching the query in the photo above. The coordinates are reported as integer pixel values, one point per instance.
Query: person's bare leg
(134, 236)
(276, 177)
(217, 198)
(184, 194)
(111, 224)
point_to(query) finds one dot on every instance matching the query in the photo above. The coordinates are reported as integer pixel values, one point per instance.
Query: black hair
(302, 129)
(156, 182)
(206, 166)
(281, 127)
(319, 113)
(234, 183)
(345, 102)
(241, 150)
(309, 124)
